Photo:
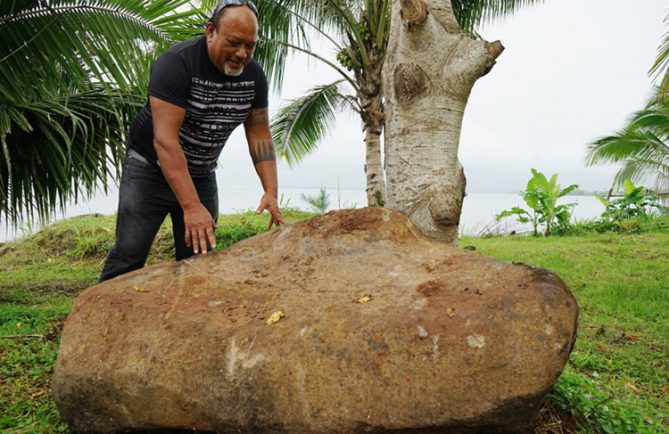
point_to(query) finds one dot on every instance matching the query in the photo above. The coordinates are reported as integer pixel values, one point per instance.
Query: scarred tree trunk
(430, 69)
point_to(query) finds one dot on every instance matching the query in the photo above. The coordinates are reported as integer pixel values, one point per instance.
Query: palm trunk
(430, 69)
(373, 121)
(371, 103)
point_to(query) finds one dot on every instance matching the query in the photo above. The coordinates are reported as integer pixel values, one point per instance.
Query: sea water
(478, 210)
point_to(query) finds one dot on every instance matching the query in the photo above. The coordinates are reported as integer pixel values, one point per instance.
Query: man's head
(232, 33)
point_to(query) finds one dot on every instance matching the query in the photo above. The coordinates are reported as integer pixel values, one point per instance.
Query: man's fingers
(196, 241)
(211, 236)
(277, 217)
(276, 220)
(187, 237)
(202, 235)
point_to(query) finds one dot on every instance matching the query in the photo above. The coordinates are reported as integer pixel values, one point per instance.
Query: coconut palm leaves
(642, 147)
(306, 120)
(660, 69)
(60, 147)
(473, 13)
(72, 74)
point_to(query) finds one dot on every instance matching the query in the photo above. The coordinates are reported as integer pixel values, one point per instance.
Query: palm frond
(472, 13)
(642, 147)
(300, 125)
(72, 74)
(286, 24)
(277, 27)
(660, 69)
(100, 38)
(60, 148)
(644, 172)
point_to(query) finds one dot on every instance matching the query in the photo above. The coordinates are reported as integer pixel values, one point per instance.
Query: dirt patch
(367, 219)
(552, 420)
(55, 330)
(67, 289)
(431, 287)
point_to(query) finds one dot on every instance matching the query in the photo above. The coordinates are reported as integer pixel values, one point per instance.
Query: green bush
(541, 197)
(637, 225)
(634, 204)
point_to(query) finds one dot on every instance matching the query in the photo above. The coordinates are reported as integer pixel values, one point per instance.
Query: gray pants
(145, 199)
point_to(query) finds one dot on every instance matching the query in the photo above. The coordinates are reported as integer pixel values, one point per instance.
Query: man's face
(231, 46)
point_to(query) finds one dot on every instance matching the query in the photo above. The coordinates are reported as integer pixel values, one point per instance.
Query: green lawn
(617, 380)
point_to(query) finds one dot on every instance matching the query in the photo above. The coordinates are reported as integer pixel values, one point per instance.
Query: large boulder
(384, 329)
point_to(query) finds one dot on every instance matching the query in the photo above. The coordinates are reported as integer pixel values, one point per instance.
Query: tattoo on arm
(262, 151)
(257, 117)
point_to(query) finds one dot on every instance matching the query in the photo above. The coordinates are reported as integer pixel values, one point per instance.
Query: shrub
(635, 203)
(541, 196)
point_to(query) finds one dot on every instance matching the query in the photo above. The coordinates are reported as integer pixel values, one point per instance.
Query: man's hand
(264, 160)
(200, 229)
(268, 202)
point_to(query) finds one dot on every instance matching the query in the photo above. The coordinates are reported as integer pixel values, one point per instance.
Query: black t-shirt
(215, 103)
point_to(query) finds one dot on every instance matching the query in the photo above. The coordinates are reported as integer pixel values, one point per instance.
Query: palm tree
(643, 145)
(660, 68)
(358, 29)
(69, 87)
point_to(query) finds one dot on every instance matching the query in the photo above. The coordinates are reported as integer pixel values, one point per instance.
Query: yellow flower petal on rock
(275, 317)
(363, 299)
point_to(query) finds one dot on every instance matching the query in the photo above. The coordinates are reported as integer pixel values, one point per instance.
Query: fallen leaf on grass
(37, 394)
(140, 289)
(665, 390)
(363, 299)
(631, 337)
(275, 317)
(632, 387)
(601, 348)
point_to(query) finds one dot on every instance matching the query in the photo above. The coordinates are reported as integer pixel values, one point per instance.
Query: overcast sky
(572, 71)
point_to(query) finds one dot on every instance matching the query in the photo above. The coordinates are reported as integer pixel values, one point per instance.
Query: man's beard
(233, 72)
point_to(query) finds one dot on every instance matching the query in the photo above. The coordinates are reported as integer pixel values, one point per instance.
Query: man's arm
(261, 149)
(167, 120)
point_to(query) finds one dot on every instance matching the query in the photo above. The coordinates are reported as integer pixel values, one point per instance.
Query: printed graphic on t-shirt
(214, 103)
(214, 111)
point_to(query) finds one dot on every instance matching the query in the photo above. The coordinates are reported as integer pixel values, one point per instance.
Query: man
(199, 91)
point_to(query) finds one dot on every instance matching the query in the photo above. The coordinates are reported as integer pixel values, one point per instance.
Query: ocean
(478, 212)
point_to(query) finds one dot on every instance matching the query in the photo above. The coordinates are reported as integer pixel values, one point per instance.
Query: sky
(572, 71)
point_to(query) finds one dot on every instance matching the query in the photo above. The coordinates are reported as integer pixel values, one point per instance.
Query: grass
(617, 380)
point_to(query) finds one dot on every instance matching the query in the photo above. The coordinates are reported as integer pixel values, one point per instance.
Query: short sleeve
(261, 98)
(170, 79)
